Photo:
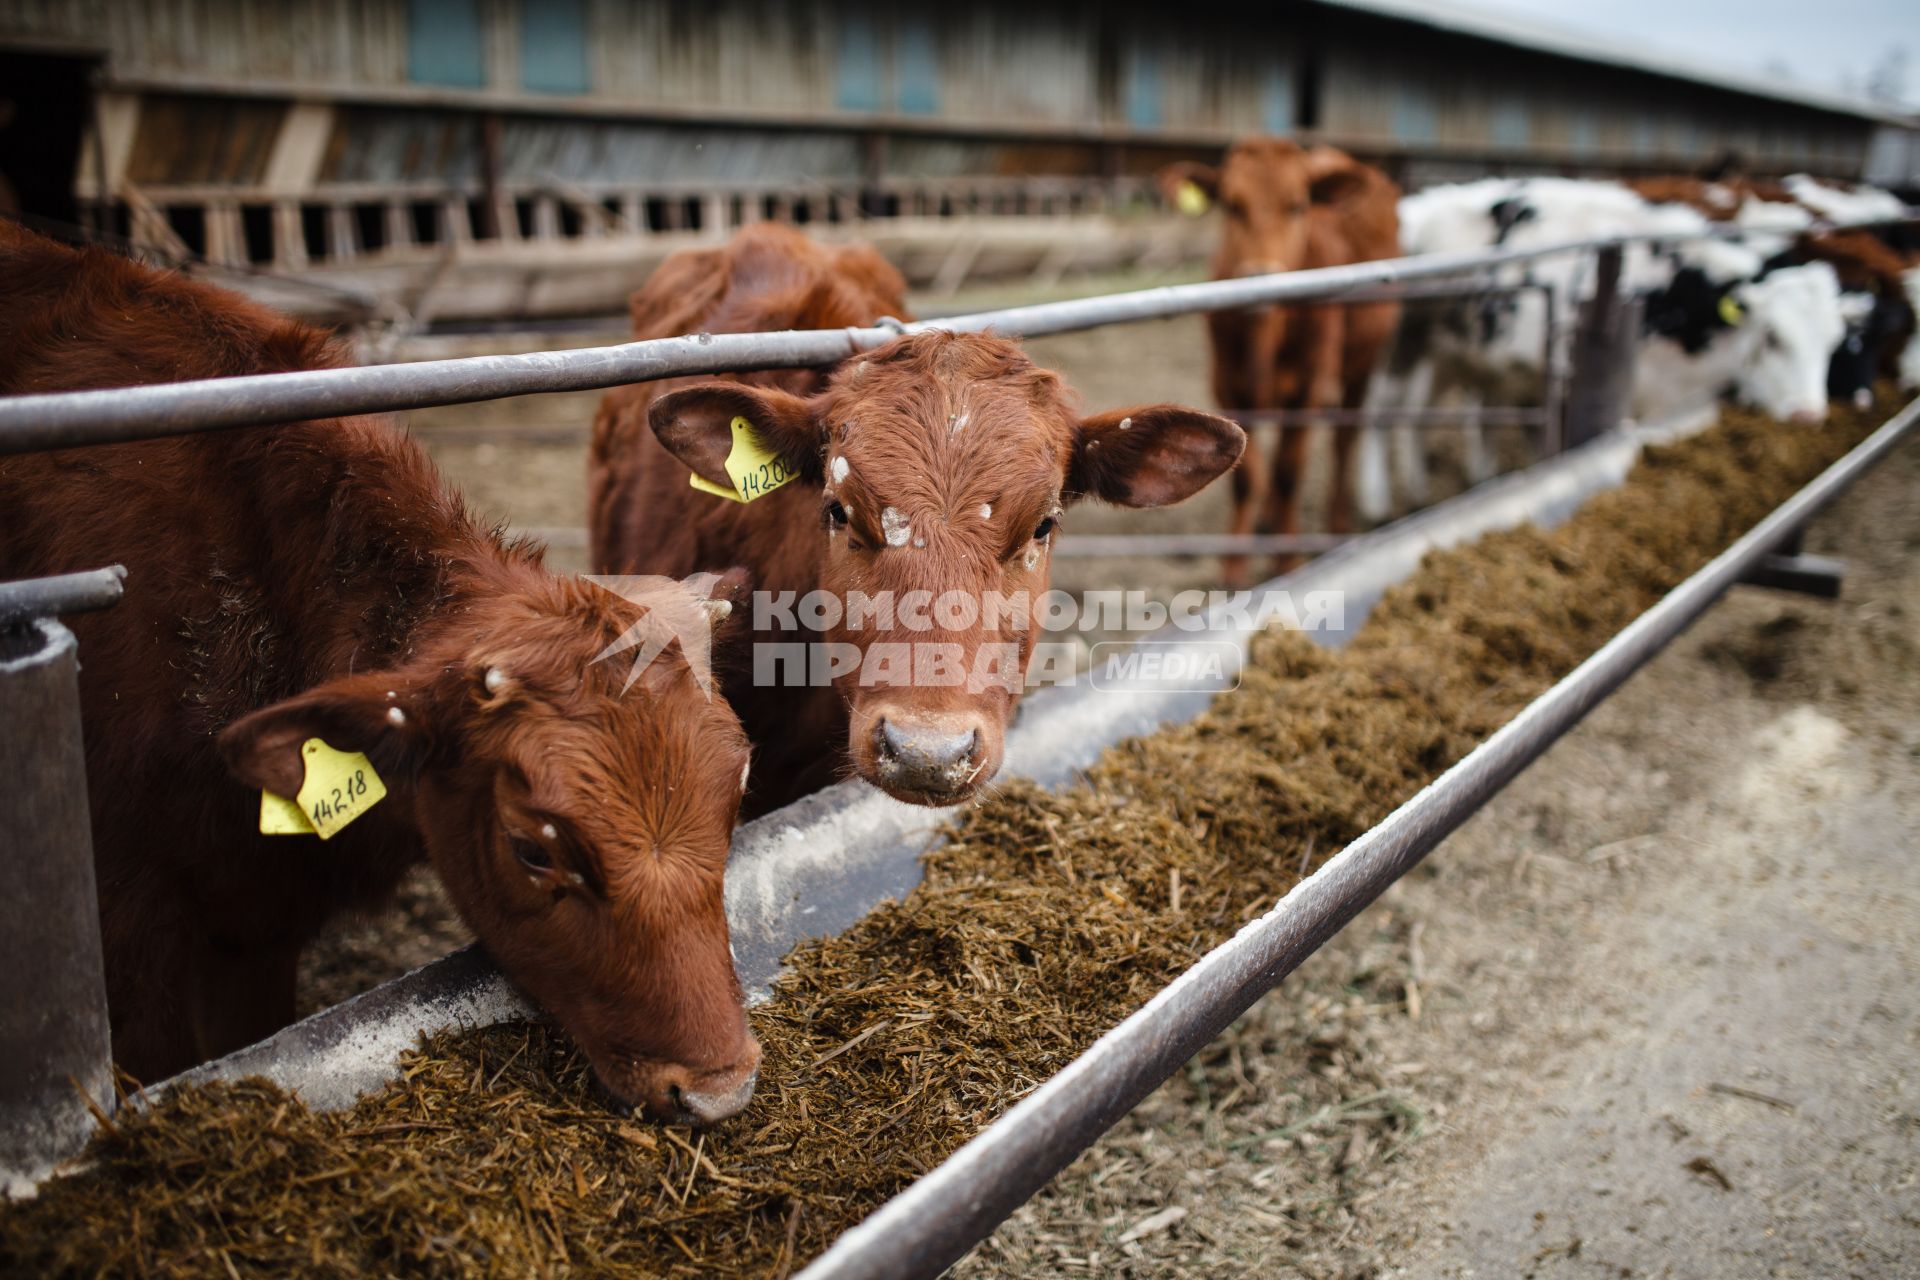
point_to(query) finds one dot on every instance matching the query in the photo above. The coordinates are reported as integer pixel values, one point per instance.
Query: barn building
(363, 135)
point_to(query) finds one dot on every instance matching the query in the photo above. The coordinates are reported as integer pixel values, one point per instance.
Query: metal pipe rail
(70, 419)
(1105, 545)
(62, 593)
(937, 1219)
(1485, 416)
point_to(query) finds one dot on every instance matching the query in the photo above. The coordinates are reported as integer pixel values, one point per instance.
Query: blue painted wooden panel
(1646, 136)
(1143, 102)
(1276, 100)
(444, 44)
(553, 46)
(856, 78)
(1511, 126)
(916, 65)
(1582, 135)
(1415, 117)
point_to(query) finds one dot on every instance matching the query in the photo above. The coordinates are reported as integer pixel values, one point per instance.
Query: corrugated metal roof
(1522, 33)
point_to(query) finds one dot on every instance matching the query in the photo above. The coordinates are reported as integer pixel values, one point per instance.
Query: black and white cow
(1717, 321)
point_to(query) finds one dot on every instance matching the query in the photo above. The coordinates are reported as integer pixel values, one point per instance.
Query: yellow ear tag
(1731, 311)
(1190, 199)
(755, 470)
(340, 786)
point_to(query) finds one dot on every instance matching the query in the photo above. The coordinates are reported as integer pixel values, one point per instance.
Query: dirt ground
(1649, 1014)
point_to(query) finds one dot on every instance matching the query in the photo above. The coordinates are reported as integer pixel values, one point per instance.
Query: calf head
(580, 826)
(944, 463)
(1795, 324)
(1267, 187)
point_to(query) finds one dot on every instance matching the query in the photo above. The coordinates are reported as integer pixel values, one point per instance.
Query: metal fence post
(1600, 386)
(55, 1051)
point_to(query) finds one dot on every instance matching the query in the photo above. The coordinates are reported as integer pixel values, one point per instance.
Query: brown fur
(1289, 209)
(1719, 200)
(936, 427)
(305, 580)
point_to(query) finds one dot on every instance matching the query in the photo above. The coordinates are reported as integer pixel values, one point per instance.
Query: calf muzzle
(674, 1093)
(934, 758)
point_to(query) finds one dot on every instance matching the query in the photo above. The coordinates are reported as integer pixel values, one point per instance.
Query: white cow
(1844, 204)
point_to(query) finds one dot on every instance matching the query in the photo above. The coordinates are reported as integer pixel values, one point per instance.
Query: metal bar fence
(70, 419)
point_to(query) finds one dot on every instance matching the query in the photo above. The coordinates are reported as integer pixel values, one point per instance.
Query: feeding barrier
(820, 865)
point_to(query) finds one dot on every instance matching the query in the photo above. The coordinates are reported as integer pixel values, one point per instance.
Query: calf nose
(681, 1095)
(712, 1105)
(927, 756)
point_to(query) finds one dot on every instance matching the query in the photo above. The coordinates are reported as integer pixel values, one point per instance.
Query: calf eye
(1046, 527)
(836, 514)
(532, 855)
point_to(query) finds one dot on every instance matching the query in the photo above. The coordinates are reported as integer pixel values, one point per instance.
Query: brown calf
(318, 580)
(937, 464)
(1290, 209)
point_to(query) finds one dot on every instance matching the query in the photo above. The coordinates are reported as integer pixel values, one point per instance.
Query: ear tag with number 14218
(755, 470)
(340, 786)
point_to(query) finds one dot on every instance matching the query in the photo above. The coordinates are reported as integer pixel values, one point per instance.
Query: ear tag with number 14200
(340, 786)
(755, 470)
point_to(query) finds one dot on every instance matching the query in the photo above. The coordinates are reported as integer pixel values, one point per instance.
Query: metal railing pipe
(62, 593)
(70, 419)
(936, 1219)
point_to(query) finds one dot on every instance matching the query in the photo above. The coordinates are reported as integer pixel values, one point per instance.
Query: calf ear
(1152, 456)
(355, 713)
(727, 594)
(1187, 172)
(1333, 175)
(696, 426)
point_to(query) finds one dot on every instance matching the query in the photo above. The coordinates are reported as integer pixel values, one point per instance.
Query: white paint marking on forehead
(920, 542)
(837, 468)
(548, 830)
(396, 716)
(496, 679)
(1126, 424)
(986, 511)
(895, 527)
